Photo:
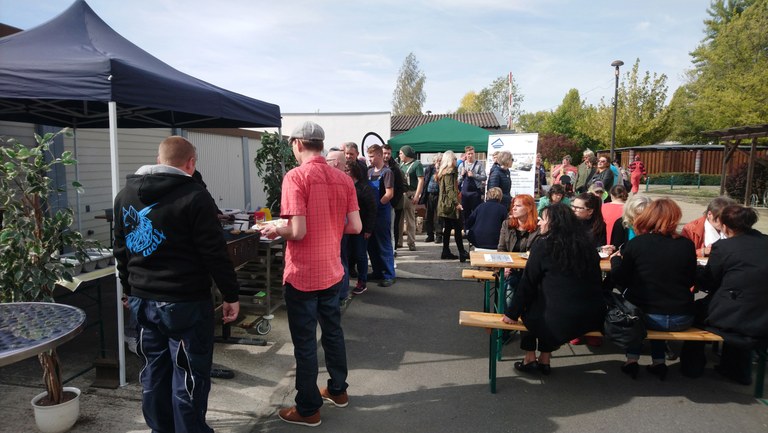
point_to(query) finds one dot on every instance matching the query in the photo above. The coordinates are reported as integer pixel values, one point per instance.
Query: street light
(616, 64)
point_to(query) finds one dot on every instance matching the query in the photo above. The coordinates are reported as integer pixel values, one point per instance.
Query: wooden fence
(684, 160)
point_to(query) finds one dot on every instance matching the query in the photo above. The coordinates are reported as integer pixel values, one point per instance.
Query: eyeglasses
(577, 207)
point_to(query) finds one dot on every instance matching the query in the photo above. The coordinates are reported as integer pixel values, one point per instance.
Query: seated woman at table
(518, 233)
(624, 227)
(736, 306)
(657, 268)
(587, 208)
(484, 225)
(706, 230)
(559, 296)
(556, 194)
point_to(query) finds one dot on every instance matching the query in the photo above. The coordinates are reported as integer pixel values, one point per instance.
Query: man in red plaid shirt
(320, 204)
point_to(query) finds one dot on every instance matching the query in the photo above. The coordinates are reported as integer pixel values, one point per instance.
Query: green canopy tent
(441, 135)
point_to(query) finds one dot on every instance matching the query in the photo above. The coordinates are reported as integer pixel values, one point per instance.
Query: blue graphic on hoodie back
(142, 238)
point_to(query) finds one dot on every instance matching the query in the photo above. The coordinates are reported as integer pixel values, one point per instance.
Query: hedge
(684, 179)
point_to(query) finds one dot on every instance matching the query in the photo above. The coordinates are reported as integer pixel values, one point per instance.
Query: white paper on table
(497, 258)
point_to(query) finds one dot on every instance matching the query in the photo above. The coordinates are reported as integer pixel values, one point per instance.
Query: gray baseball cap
(309, 131)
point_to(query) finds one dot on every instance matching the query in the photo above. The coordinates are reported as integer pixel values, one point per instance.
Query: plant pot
(58, 418)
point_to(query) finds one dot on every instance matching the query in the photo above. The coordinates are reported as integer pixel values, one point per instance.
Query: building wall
(339, 127)
(221, 163)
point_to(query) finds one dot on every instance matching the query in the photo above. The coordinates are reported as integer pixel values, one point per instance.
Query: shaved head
(176, 151)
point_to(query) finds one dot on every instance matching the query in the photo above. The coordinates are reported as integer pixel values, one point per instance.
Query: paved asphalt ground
(413, 368)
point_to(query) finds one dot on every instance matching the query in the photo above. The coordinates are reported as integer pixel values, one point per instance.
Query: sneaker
(341, 400)
(429, 239)
(291, 415)
(359, 289)
(438, 239)
(411, 247)
(387, 283)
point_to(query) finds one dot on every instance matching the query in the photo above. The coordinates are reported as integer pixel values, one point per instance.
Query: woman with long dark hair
(559, 295)
(366, 199)
(736, 307)
(588, 210)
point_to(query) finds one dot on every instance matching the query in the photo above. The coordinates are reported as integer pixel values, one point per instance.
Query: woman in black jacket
(737, 304)
(657, 268)
(366, 200)
(499, 176)
(559, 295)
(588, 209)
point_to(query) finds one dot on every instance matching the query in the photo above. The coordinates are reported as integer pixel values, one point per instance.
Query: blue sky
(343, 56)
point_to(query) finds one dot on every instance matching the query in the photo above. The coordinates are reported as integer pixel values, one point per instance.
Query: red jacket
(694, 231)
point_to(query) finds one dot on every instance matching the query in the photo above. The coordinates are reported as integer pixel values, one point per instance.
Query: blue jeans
(661, 322)
(176, 346)
(359, 250)
(305, 310)
(380, 244)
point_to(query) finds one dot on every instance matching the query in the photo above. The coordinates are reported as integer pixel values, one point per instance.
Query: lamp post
(616, 64)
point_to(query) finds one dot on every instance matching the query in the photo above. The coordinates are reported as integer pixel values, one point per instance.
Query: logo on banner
(497, 144)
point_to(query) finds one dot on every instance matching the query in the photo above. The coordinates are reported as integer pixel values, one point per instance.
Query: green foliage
(469, 103)
(495, 98)
(729, 81)
(683, 179)
(31, 237)
(641, 117)
(273, 160)
(409, 96)
(534, 122)
(736, 184)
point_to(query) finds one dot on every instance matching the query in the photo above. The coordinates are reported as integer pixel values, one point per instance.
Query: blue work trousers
(380, 244)
(176, 347)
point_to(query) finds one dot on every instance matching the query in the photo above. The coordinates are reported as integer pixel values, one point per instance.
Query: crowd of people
(344, 212)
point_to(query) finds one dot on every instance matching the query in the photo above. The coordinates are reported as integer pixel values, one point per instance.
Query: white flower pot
(58, 418)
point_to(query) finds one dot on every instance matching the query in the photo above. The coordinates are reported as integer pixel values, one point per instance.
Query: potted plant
(273, 159)
(31, 239)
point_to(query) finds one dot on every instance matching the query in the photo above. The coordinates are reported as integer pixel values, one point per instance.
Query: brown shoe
(341, 400)
(291, 415)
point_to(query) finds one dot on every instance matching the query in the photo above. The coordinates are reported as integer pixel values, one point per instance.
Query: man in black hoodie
(169, 245)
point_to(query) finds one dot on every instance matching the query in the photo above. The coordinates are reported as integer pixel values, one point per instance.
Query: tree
(729, 81)
(469, 103)
(721, 13)
(495, 98)
(641, 118)
(553, 147)
(409, 93)
(534, 122)
(273, 160)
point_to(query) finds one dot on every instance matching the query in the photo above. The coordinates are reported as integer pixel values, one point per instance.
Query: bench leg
(760, 377)
(487, 302)
(501, 306)
(492, 359)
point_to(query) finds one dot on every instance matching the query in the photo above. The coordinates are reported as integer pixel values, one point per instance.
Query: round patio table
(30, 328)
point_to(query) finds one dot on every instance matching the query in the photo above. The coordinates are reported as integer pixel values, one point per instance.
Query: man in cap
(320, 204)
(413, 171)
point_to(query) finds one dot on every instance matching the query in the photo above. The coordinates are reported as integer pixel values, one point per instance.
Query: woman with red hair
(657, 268)
(518, 232)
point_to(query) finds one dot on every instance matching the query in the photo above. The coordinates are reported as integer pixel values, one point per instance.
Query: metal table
(30, 328)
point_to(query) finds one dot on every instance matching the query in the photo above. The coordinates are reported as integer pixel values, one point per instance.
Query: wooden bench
(493, 321)
(487, 277)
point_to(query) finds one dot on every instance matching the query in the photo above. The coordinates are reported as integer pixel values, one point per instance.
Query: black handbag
(623, 323)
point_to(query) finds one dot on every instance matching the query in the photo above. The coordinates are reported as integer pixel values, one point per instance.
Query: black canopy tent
(76, 71)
